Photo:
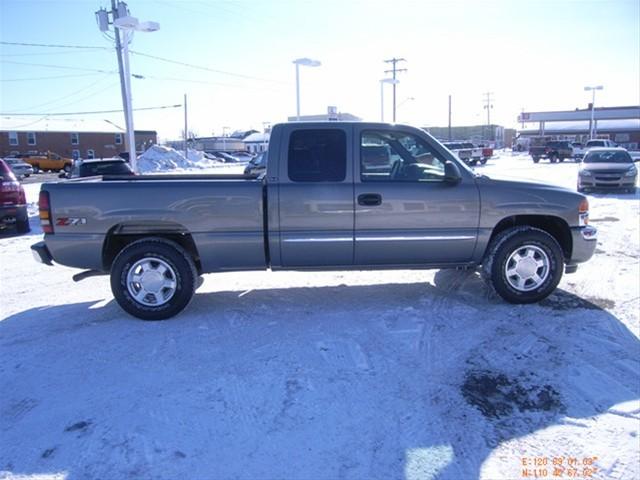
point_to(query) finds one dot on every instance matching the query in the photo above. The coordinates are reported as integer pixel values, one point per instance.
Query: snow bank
(161, 158)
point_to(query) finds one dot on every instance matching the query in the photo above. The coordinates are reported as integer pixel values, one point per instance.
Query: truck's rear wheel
(523, 264)
(536, 159)
(153, 278)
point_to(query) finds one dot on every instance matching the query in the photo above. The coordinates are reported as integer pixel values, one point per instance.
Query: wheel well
(115, 242)
(554, 226)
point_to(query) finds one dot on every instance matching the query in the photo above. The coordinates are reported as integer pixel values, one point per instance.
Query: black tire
(484, 161)
(36, 169)
(536, 159)
(521, 239)
(473, 163)
(67, 168)
(181, 270)
(22, 226)
(553, 158)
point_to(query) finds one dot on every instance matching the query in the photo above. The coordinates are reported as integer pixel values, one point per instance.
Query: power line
(39, 54)
(48, 78)
(141, 54)
(86, 87)
(45, 115)
(64, 67)
(200, 67)
(23, 44)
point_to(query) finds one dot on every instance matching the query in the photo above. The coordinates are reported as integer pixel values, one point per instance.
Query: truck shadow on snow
(378, 381)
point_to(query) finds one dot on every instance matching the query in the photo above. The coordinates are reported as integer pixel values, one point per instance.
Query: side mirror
(452, 173)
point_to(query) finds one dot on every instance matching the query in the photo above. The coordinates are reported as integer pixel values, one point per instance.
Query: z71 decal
(69, 221)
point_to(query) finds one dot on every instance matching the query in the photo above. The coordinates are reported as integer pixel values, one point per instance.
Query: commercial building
(68, 138)
(257, 142)
(619, 124)
(496, 135)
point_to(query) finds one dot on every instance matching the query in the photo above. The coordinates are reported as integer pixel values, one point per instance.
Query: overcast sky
(536, 55)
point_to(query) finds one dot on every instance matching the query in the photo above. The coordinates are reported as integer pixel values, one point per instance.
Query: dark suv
(92, 168)
(554, 150)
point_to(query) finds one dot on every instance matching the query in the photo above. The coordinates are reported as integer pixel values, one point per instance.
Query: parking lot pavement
(392, 374)
(41, 178)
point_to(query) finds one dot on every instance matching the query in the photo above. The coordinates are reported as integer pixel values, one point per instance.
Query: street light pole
(306, 62)
(128, 25)
(592, 129)
(131, 135)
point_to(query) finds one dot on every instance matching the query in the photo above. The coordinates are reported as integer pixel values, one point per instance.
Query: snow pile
(160, 158)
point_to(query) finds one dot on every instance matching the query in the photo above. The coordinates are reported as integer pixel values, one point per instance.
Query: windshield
(608, 157)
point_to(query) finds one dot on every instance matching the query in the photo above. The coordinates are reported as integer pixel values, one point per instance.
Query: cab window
(317, 155)
(397, 156)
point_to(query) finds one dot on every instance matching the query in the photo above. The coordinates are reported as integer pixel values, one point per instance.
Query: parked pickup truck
(320, 206)
(554, 150)
(48, 161)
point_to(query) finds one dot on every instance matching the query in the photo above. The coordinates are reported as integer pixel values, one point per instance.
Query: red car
(13, 201)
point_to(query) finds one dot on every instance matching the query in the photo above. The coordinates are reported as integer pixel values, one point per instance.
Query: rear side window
(317, 155)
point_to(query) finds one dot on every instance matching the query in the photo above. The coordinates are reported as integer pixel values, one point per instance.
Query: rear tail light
(583, 213)
(10, 193)
(22, 197)
(45, 212)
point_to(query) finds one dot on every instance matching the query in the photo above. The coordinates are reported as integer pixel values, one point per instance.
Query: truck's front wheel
(153, 278)
(523, 264)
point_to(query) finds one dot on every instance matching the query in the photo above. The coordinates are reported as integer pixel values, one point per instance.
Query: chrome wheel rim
(527, 268)
(151, 282)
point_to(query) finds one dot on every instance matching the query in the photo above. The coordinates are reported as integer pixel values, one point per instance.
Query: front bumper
(607, 181)
(41, 253)
(585, 240)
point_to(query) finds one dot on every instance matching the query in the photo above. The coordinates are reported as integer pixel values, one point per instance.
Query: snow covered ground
(391, 374)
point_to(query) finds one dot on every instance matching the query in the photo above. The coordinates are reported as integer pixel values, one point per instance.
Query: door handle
(370, 199)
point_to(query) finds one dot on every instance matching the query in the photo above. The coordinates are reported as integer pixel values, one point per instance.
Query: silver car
(607, 168)
(18, 167)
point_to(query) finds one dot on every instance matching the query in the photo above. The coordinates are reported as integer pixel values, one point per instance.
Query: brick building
(68, 138)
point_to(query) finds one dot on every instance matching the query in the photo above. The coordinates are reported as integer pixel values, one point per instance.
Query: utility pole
(123, 88)
(449, 117)
(122, 20)
(186, 135)
(488, 105)
(394, 61)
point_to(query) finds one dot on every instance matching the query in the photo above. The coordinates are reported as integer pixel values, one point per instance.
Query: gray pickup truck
(335, 196)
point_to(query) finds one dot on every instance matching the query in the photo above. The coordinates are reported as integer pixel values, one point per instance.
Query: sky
(532, 56)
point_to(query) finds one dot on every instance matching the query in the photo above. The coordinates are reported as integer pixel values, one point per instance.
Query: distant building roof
(257, 138)
(338, 117)
(599, 113)
(50, 124)
(631, 124)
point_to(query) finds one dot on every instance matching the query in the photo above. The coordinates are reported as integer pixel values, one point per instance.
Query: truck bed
(222, 213)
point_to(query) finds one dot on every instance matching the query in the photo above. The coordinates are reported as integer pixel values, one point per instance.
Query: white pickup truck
(579, 151)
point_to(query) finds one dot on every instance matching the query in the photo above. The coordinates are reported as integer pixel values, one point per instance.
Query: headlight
(585, 173)
(583, 213)
(631, 172)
